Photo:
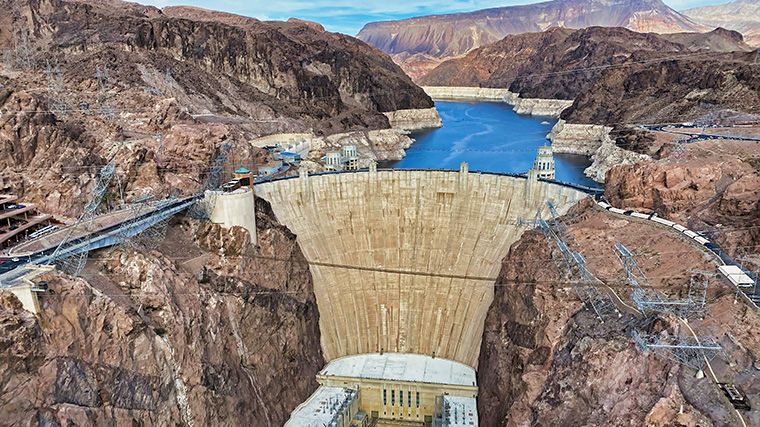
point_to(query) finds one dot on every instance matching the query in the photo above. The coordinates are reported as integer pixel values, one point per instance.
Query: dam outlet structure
(403, 261)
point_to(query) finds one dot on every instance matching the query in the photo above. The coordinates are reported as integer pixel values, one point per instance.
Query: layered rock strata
(411, 120)
(530, 106)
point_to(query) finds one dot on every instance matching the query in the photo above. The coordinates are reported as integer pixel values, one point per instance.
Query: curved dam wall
(447, 223)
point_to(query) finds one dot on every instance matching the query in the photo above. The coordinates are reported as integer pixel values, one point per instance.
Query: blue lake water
(491, 138)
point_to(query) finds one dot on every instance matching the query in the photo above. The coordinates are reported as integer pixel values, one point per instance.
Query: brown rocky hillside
(616, 75)
(180, 83)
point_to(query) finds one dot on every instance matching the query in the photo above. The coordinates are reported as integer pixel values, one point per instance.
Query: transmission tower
(556, 223)
(149, 238)
(649, 300)
(690, 351)
(588, 288)
(105, 108)
(69, 256)
(202, 209)
(23, 50)
(56, 89)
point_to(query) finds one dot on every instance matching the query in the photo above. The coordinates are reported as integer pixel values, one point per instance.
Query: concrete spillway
(446, 223)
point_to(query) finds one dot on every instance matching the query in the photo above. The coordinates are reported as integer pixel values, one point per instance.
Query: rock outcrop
(164, 76)
(696, 87)
(609, 155)
(373, 145)
(140, 340)
(717, 195)
(544, 358)
(411, 120)
(571, 138)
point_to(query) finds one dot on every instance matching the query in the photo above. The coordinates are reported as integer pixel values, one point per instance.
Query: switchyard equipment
(690, 351)
(649, 300)
(588, 289)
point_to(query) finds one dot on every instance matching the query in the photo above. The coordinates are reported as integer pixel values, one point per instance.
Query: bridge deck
(31, 222)
(52, 240)
(10, 213)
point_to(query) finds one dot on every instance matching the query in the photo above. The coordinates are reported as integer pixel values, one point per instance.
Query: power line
(397, 271)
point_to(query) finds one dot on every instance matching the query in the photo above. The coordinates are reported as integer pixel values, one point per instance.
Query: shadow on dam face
(444, 223)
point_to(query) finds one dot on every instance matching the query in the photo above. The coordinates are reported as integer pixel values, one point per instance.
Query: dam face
(440, 222)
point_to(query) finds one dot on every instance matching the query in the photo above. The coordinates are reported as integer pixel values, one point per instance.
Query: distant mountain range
(614, 74)
(429, 38)
(740, 15)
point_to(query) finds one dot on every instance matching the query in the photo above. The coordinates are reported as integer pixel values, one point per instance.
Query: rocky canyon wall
(140, 340)
(545, 360)
(424, 245)
(594, 141)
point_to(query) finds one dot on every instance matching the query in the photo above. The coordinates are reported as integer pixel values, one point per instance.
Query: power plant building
(393, 389)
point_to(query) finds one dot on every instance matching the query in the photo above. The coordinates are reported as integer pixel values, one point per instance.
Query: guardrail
(596, 192)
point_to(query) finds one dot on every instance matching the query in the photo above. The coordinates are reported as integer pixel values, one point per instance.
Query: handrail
(582, 188)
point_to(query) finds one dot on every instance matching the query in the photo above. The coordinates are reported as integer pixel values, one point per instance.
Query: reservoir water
(491, 138)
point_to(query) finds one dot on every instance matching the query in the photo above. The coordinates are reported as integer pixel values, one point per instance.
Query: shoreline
(528, 106)
(590, 140)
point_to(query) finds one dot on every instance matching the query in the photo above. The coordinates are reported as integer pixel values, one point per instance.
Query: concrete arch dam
(442, 222)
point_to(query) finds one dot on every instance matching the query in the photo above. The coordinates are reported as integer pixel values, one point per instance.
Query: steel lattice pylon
(64, 257)
(690, 351)
(150, 237)
(202, 209)
(105, 108)
(56, 89)
(588, 289)
(648, 300)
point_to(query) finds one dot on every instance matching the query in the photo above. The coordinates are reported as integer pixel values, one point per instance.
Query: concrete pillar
(27, 297)
(236, 208)
(464, 172)
(531, 186)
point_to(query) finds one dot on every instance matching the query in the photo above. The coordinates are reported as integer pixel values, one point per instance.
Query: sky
(348, 16)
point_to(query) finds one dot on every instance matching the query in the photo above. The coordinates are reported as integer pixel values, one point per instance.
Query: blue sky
(348, 16)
